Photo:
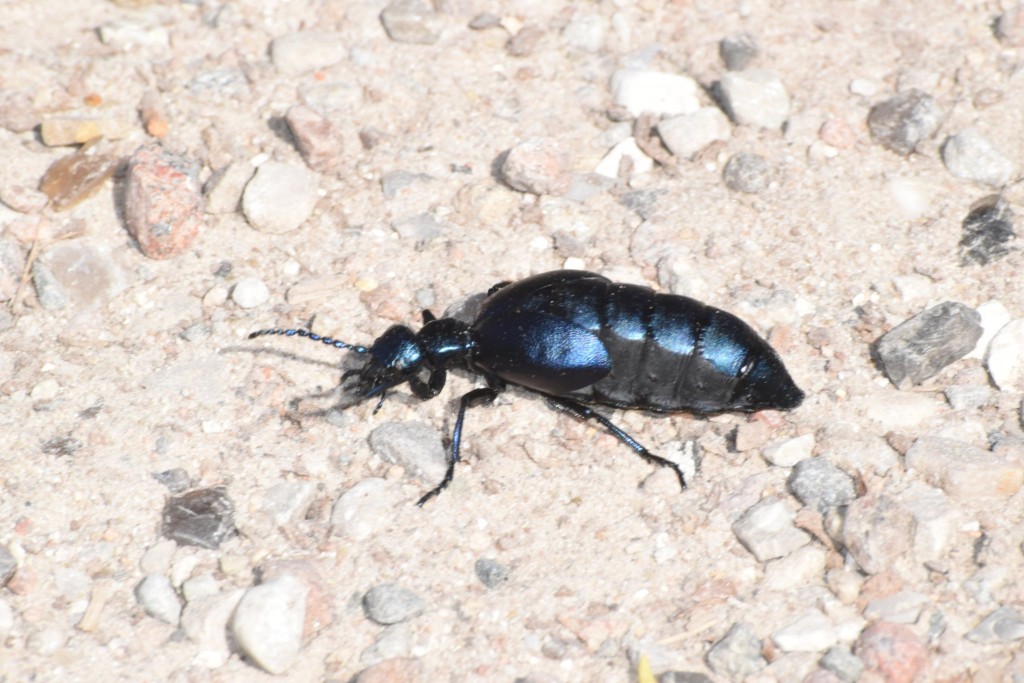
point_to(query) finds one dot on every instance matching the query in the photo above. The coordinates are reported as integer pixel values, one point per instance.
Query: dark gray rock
(738, 51)
(921, 346)
(987, 231)
(415, 446)
(745, 172)
(176, 480)
(905, 121)
(204, 517)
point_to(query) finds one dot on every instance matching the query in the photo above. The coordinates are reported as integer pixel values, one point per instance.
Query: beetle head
(765, 384)
(395, 357)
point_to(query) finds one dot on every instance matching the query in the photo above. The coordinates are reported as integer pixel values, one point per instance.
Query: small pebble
(900, 608)
(176, 480)
(204, 517)
(364, 509)
(754, 98)
(746, 172)
(966, 473)
(8, 565)
(738, 654)
(789, 452)
(319, 599)
(484, 20)
(250, 292)
(687, 134)
(52, 296)
(587, 32)
(411, 21)
(935, 521)
(843, 663)
(1004, 625)
(891, 651)
(205, 622)
(863, 87)
(162, 201)
(1005, 359)
(987, 231)
(969, 396)
(525, 42)
(838, 133)
(656, 92)
(538, 166)
(767, 530)
(415, 446)
(158, 597)
(905, 121)
(134, 32)
(23, 199)
(303, 51)
(611, 163)
(224, 188)
(76, 130)
(812, 632)
(280, 197)
(71, 180)
(319, 141)
(419, 228)
(392, 642)
(994, 316)
(389, 603)
(1009, 27)
(738, 51)
(490, 572)
(803, 567)
(920, 347)
(157, 558)
(878, 532)
(970, 156)
(395, 183)
(818, 483)
(199, 586)
(267, 623)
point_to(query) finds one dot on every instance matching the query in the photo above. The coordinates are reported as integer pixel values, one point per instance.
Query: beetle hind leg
(585, 412)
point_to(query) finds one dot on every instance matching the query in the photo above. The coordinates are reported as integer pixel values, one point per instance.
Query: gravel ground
(181, 503)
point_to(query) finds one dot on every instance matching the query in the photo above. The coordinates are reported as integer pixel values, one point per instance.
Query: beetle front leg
(429, 389)
(585, 412)
(473, 398)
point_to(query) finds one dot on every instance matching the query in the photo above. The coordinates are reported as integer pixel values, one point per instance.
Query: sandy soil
(607, 559)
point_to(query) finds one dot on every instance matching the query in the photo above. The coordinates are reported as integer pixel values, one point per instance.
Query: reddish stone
(319, 606)
(162, 201)
(891, 651)
(317, 138)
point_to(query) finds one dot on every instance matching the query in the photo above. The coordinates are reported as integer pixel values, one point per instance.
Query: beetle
(579, 339)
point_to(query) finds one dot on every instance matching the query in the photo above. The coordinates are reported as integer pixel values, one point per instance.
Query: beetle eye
(747, 366)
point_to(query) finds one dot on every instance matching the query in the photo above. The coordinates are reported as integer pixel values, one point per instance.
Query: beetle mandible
(578, 338)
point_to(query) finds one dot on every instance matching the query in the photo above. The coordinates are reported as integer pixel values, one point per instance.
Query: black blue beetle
(577, 338)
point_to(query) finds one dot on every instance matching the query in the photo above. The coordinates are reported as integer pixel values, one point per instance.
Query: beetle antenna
(380, 403)
(336, 343)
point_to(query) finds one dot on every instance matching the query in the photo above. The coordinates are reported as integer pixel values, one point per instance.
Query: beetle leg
(585, 412)
(474, 398)
(429, 389)
(428, 316)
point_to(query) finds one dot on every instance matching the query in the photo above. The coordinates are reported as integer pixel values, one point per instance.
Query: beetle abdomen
(666, 352)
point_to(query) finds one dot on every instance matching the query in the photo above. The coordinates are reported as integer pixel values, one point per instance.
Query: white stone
(789, 452)
(250, 292)
(158, 597)
(205, 623)
(994, 317)
(280, 197)
(267, 623)
(767, 530)
(969, 155)
(897, 410)
(657, 92)
(1005, 360)
(302, 51)
(755, 98)
(609, 166)
(364, 509)
(287, 500)
(813, 632)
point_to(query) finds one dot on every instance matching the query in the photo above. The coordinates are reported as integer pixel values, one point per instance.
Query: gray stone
(411, 21)
(490, 572)
(205, 622)
(789, 452)
(364, 509)
(812, 632)
(738, 51)
(392, 642)
(969, 155)
(745, 172)
(538, 166)
(415, 446)
(969, 396)
(920, 347)
(223, 190)
(968, 474)
(389, 603)
(204, 517)
(738, 654)
(901, 608)
(818, 483)
(1003, 625)
(878, 532)
(767, 530)
(905, 121)
(286, 502)
(988, 231)
(843, 663)
(687, 134)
